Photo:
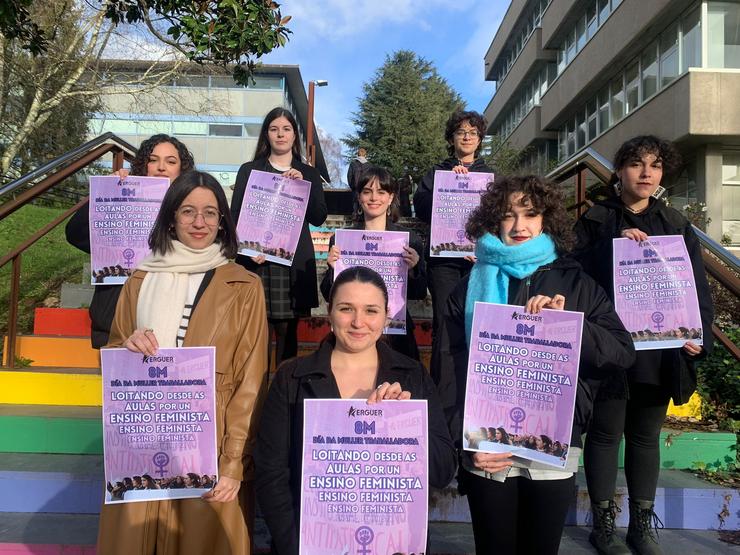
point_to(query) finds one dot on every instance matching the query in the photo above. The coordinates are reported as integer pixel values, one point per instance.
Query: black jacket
(423, 204)
(416, 289)
(303, 294)
(280, 437)
(671, 368)
(105, 297)
(354, 171)
(606, 346)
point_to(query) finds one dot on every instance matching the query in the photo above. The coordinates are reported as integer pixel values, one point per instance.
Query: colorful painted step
(57, 387)
(72, 322)
(45, 549)
(51, 429)
(55, 351)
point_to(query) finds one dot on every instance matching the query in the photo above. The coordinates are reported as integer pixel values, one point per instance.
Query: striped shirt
(193, 286)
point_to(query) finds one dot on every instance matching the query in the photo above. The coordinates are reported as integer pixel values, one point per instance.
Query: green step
(51, 429)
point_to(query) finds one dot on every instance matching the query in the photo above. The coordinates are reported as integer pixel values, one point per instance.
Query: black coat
(671, 368)
(416, 289)
(423, 204)
(280, 437)
(606, 346)
(105, 297)
(303, 278)
(354, 171)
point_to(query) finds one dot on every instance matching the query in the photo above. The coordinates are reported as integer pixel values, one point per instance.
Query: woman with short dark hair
(187, 294)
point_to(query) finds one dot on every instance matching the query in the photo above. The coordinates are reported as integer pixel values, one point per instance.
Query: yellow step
(692, 408)
(50, 388)
(55, 351)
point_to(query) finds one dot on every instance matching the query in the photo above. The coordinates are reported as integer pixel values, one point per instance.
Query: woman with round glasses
(187, 294)
(464, 132)
(291, 292)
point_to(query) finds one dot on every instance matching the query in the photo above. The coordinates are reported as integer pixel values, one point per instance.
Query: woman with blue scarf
(521, 231)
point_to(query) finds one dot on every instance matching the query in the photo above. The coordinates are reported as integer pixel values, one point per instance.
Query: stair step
(50, 350)
(50, 388)
(71, 322)
(51, 429)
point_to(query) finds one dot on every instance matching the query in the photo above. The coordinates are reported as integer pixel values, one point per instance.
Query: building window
(617, 99)
(189, 128)
(604, 11)
(580, 129)
(591, 117)
(669, 55)
(225, 130)
(632, 83)
(650, 71)
(731, 196)
(691, 40)
(723, 39)
(592, 19)
(253, 129)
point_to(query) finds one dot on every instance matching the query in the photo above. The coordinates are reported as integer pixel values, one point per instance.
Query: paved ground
(445, 538)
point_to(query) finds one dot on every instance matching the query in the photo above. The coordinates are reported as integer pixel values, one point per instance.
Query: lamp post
(310, 147)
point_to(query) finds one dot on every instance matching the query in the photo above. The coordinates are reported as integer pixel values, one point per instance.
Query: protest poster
(271, 216)
(655, 292)
(522, 382)
(159, 424)
(381, 251)
(364, 487)
(455, 196)
(122, 213)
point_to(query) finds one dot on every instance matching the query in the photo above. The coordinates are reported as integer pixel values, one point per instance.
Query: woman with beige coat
(187, 294)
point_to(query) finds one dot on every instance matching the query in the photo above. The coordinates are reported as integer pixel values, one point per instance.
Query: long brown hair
(263, 143)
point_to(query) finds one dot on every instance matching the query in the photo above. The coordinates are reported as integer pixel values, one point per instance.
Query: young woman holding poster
(350, 364)
(522, 230)
(634, 403)
(158, 156)
(188, 294)
(464, 133)
(377, 194)
(290, 292)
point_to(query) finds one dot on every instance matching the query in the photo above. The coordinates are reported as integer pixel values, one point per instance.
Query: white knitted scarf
(165, 288)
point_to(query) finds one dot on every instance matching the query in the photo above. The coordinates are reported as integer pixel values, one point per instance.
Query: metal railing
(719, 262)
(30, 187)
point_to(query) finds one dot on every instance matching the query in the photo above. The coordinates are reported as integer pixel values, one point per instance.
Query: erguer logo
(524, 316)
(364, 412)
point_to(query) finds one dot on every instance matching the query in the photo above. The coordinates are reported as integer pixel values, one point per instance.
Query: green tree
(402, 114)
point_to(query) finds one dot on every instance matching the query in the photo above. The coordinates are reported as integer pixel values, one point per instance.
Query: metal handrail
(587, 157)
(718, 250)
(105, 138)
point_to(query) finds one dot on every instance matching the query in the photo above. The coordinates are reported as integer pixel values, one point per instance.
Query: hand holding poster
(655, 292)
(159, 424)
(522, 382)
(364, 487)
(455, 196)
(122, 213)
(381, 251)
(271, 216)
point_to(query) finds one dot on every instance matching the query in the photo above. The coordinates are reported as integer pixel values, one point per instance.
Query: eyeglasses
(187, 216)
(460, 134)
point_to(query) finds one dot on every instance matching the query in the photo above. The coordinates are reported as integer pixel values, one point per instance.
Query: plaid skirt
(276, 282)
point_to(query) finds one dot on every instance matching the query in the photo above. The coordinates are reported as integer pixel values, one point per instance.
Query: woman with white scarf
(186, 294)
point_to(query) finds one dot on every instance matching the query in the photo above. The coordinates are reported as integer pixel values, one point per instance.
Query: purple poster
(456, 195)
(159, 424)
(364, 487)
(655, 293)
(122, 213)
(271, 216)
(382, 251)
(522, 382)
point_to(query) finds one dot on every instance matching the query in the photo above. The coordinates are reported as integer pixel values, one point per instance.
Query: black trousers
(518, 516)
(640, 419)
(441, 280)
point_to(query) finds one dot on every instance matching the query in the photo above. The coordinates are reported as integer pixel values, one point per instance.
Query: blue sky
(345, 41)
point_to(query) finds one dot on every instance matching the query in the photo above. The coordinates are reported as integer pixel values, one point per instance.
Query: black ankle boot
(604, 534)
(642, 533)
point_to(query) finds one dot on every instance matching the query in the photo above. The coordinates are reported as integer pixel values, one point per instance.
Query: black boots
(642, 533)
(603, 536)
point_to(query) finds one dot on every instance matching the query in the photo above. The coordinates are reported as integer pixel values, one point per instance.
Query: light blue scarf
(489, 278)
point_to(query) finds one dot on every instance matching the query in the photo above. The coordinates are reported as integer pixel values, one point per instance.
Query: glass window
(650, 71)
(603, 11)
(691, 45)
(223, 82)
(225, 130)
(266, 82)
(724, 34)
(591, 116)
(253, 129)
(592, 19)
(615, 4)
(192, 81)
(570, 46)
(571, 142)
(603, 101)
(580, 129)
(581, 33)
(632, 81)
(153, 127)
(617, 99)
(669, 55)
(119, 126)
(562, 144)
(189, 128)
(562, 59)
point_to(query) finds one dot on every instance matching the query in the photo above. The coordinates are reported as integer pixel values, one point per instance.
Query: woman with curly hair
(521, 231)
(158, 156)
(634, 403)
(464, 133)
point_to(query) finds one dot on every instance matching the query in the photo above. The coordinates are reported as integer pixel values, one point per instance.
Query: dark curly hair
(459, 117)
(385, 182)
(637, 147)
(139, 164)
(546, 199)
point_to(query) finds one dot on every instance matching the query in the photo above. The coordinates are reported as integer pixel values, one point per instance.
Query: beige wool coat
(230, 315)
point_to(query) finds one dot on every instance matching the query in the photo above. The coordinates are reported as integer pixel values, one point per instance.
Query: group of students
(191, 292)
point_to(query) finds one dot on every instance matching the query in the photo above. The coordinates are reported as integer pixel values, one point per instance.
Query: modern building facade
(217, 119)
(572, 74)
